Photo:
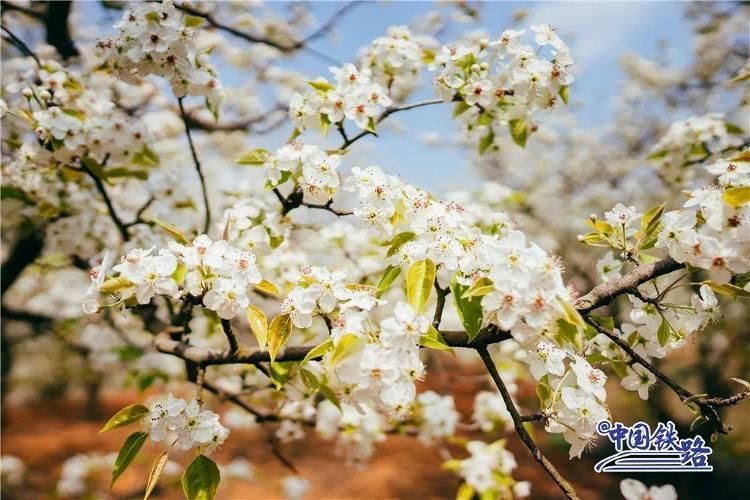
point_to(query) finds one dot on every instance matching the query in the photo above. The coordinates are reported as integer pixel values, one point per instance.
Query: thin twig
(21, 45)
(564, 485)
(121, 227)
(197, 163)
(234, 346)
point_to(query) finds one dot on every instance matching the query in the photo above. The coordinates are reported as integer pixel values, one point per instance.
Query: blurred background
(640, 66)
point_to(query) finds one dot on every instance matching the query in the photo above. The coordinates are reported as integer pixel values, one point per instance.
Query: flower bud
(44, 95)
(27, 92)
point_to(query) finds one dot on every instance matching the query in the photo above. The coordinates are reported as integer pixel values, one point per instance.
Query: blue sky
(599, 33)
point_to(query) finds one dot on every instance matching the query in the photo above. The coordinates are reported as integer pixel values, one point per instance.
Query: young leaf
(127, 415)
(128, 452)
(254, 157)
(519, 131)
(564, 93)
(321, 86)
(389, 276)
(486, 141)
(178, 235)
(155, 473)
(268, 288)
(664, 333)
(737, 196)
(278, 333)
(258, 324)
(398, 241)
(480, 288)
(193, 21)
(318, 350)
(419, 281)
(434, 340)
(346, 344)
(469, 309)
(201, 479)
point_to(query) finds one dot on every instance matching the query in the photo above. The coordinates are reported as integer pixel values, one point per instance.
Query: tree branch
(603, 294)
(121, 226)
(58, 31)
(518, 420)
(198, 169)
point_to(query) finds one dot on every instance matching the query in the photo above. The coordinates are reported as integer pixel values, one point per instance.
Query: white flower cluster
(715, 235)
(503, 81)
(12, 471)
(490, 412)
(252, 224)
(354, 97)
(693, 139)
(155, 38)
(312, 170)
(488, 470)
(632, 489)
(381, 372)
(395, 60)
(356, 430)
(79, 470)
(191, 426)
(321, 291)
(220, 273)
(437, 416)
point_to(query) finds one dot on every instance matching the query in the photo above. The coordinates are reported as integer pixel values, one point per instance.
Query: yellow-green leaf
(268, 288)
(113, 285)
(193, 21)
(278, 334)
(156, 469)
(201, 479)
(564, 93)
(318, 351)
(178, 235)
(258, 324)
(486, 141)
(347, 344)
(127, 415)
(128, 452)
(519, 131)
(254, 157)
(664, 332)
(419, 281)
(434, 340)
(737, 196)
(389, 276)
(321, 86)
(479, 288)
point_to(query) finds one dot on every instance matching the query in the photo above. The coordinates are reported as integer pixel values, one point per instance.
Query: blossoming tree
(310, 292)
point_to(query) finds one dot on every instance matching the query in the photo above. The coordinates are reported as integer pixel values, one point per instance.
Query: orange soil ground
(44, 435)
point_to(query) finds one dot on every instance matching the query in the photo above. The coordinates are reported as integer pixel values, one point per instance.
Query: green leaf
(564, 94)
(12, 192)
(398, 242)
(728, 289)
(734, 129)
(619, 367)
(658, 154)
(179, 273)
(664, 332)
(318, 351)
(465, 492)
(126, 416)
(193, 21)
(434, 340)
(254, 157)
(569, 332)
(486, 141)
(128, 452)
(742, 382)
(419, 281)
(93, 166)
(543, 391)
(572, 314)
(389, 276)
(120, 172)
(155, 474)
(281, 373)
(258, 324)
(80, 116)
(469, 309)
(321, 86)
(371, 125)
(607, 322)
(650, 220)
(278, 333)
(479, 288)
(146, 157)
(461, 106)
(737, 196)
(699, 420)
(117, 284)
(178, 235)
(346, 345)
(201, 479)
(328, 393)
(518, 131)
